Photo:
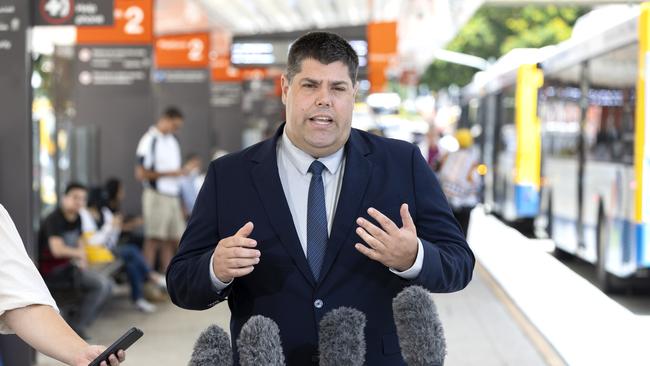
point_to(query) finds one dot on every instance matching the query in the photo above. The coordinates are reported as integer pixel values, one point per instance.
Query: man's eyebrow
(310, 80)
(340, 82)
(314, 81)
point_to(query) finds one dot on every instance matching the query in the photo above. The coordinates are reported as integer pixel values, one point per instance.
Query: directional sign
(133, 25)
(74, 12)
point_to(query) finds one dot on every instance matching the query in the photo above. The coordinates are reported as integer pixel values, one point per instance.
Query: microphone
(341, 338)
(259, 343)
(212, 348)
(420, 333)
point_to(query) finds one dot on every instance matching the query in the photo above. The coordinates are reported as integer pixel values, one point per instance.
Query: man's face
(169, 125)
(177, 123)
(74, 200)
(319, 102)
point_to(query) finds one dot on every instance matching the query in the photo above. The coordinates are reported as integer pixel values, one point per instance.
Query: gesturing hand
(233, 256)
(390, 245)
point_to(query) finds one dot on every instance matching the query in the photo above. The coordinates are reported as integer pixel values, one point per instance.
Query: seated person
(63, 257)
(102, 227)
(132, 226)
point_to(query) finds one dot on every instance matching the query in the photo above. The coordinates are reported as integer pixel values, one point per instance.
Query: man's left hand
(390, 245)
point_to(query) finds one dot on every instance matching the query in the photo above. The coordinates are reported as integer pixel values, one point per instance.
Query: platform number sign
(134, 16)
(132, 25)
(179, 51)
(196, 47)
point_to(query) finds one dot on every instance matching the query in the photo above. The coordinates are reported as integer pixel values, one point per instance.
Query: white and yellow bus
(595, 163)
(564, 141)
(503, 101)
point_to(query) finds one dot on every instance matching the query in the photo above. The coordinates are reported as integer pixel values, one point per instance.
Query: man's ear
(284, 82)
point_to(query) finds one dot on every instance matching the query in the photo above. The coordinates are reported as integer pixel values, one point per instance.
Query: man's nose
(324, 99)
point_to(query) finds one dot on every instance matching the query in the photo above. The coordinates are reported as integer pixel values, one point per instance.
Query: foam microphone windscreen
(342, 340)
(212, 348)
(420, 333)
(259, 343)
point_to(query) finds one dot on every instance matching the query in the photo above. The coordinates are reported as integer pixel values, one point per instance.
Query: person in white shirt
(27, 308)
(159, 168)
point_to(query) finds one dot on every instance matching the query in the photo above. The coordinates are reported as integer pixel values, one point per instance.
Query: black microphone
(259, 343)
(212, 348)
(341, 338)
(420, 333)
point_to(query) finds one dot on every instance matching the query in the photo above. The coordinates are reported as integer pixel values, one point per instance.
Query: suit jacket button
(318, 303)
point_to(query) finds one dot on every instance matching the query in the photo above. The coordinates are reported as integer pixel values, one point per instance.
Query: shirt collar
(157, 132)
(301, 160)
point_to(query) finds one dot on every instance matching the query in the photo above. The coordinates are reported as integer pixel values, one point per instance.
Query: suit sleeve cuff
(217, 285)
(416, 268)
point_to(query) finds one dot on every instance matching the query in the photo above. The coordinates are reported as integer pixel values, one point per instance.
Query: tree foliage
(493, 31)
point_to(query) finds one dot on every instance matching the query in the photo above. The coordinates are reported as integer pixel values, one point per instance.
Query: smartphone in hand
(126, 340)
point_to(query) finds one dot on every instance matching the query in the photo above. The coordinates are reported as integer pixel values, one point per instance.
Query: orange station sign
(382, 52)
(182, 51)
(133, 24)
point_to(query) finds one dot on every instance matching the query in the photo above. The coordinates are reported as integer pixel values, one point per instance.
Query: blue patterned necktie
(316, 219)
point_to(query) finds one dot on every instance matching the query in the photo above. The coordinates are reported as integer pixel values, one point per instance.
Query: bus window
(507, 138)
(559, 111)
(609, 126)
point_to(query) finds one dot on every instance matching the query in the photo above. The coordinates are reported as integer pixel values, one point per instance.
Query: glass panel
(507, 134)
(559, 111)
(609, 126)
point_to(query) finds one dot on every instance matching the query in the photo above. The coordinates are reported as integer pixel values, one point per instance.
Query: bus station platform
(514, 312)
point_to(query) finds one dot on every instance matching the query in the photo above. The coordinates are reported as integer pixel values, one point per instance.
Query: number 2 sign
(133, 25)
(182, 51)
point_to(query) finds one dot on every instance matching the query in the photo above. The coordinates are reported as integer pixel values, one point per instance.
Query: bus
(564, 142)
(594, 161)
(502, 100)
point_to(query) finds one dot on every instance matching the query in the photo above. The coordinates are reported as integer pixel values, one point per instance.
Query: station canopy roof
(423, 25)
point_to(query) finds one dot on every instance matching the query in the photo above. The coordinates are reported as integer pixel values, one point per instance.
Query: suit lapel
(356, 177)
(269, 188)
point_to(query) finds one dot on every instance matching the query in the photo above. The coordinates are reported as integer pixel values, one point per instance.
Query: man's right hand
(234, 256)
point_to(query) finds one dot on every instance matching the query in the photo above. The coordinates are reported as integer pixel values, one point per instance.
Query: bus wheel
(604, 279)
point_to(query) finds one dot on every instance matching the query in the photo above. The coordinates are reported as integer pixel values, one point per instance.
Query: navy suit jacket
(245, 186)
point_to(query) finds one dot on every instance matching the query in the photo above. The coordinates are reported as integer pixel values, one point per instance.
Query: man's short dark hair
(172, 113)
(75, 185)
(325, 48)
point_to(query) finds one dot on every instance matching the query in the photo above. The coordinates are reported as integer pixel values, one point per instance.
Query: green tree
(493, 31)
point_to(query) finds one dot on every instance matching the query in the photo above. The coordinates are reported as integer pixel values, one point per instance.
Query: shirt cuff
(415, 269)
(219, 286)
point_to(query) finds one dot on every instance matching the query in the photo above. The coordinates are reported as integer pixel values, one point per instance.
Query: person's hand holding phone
(107, 357)
(92, 352)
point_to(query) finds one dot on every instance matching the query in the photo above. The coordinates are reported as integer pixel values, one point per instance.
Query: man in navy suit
(317, 217)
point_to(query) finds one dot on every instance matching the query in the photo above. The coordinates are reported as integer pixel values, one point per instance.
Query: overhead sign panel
(183, 51)
(74, 12)
(272, 49)
(133, 24)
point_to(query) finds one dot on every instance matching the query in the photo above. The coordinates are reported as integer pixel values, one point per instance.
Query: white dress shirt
(20, 283)
(293, 166)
